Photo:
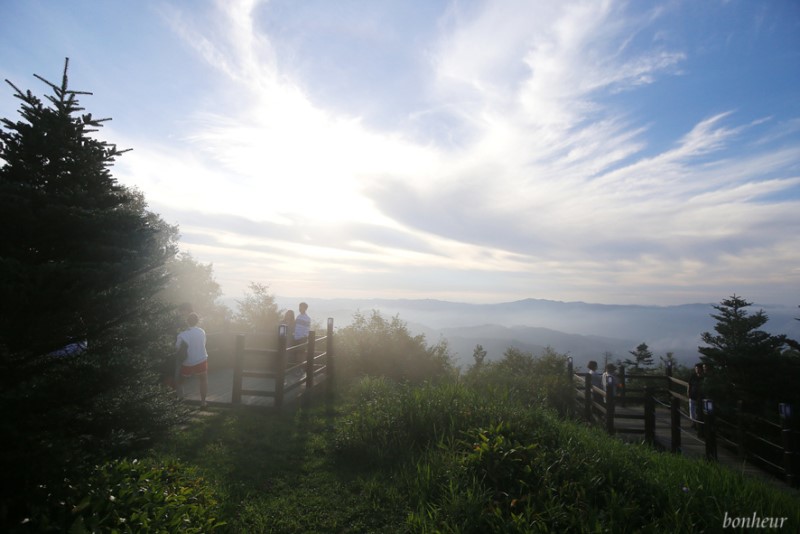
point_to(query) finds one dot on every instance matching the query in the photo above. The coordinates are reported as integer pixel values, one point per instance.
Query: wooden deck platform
(220, 389)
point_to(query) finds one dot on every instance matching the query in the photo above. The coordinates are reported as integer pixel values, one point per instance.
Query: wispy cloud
(539, 171)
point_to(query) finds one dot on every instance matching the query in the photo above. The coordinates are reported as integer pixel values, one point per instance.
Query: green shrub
(388, 421)
(547, 475)
(502, 462)
(129, 496)
(530, 380)
(379, 347)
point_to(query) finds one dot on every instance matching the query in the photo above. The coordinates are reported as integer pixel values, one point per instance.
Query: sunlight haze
(597, 151)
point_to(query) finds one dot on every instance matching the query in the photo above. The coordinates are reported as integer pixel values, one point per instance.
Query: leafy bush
(375, 346)
(129, 496)
(501, 461)
(388, 421)
(531, 380)
(452, 458)
(556, 476)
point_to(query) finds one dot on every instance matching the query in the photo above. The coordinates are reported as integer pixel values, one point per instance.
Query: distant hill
(496, 339)
(583, 330)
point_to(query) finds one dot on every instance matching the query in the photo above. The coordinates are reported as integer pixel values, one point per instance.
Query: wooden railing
(603, 405)
(775, 447)
(275, 365)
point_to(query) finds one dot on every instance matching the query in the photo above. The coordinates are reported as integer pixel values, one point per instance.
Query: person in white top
(196, 362)
(610, 373)
(302, 324)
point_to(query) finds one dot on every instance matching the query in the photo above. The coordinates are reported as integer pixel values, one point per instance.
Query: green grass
(451, 458)
(276, 473)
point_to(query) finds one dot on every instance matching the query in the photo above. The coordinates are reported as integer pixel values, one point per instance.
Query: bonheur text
(753, 522)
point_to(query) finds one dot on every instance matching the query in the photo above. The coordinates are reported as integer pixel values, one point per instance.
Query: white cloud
(548, 182)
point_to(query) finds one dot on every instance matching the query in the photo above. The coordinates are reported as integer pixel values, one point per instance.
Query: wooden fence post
(238, 365)
(329, 374)
(790, 466)
(588, 397)
(280, 367)
(700, 412)
(649, 416)
(710, 431)
(622, 383)
(741, 451)
(312, 338)
(675, 424)
(571, 381)
(610, 393)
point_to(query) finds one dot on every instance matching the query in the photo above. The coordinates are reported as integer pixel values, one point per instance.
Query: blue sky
(601, 151)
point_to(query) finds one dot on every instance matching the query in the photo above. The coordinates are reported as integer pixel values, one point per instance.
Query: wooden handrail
(595, 401)
(314, 364)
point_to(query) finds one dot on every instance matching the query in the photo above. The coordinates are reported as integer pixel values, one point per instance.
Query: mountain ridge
(582, 330)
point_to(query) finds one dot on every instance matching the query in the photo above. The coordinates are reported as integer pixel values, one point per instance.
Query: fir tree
(642, 358)
(79, 270)
(747, 363)
(479, 354)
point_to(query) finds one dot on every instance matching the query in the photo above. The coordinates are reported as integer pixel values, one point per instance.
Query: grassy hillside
(450, 457)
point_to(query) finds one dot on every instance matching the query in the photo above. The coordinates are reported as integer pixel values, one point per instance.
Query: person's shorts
(199, 369)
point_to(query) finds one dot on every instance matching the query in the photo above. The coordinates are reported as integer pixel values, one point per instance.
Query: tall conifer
(80, 259)
(746, 362)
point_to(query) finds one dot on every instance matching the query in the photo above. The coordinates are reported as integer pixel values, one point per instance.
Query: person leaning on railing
(610, 371)
(302, 326)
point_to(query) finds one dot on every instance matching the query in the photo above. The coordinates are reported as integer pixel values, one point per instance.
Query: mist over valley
(583, 330)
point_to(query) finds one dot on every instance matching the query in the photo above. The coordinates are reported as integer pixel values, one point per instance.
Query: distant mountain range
(584, 331)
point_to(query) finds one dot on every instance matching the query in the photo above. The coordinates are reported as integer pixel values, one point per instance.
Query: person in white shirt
(302, 324)
(595, 376)
(196, 362)
(610, 373)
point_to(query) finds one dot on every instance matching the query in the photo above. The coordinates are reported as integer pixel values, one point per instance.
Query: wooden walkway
(693, 446)
(220, 389)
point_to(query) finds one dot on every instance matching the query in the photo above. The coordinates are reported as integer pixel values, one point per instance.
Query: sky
(476, 151)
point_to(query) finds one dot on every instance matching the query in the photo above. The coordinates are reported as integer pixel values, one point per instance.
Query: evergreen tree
(479, 354)
(746, 362)
(79, 271)
(668, 360)
(642, 358)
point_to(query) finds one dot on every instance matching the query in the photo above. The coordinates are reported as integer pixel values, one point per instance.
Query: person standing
(196, 362)
(610, 373)
(695, 393)
(595, 377)
(181, 324)
(288, 320)
(302, 324)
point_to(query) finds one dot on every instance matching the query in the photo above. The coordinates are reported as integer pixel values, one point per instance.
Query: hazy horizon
(584, 330)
